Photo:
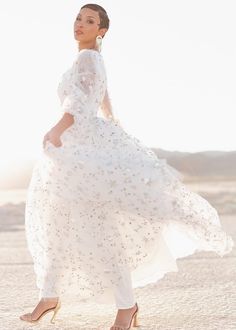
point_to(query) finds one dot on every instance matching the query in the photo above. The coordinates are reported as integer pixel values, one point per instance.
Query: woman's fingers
(56, 142)
(46, 138)
(53, 138)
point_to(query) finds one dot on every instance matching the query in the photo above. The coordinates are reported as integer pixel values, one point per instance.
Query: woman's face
(86, 26)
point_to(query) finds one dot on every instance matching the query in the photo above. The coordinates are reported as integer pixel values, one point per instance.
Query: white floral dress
(103, 202)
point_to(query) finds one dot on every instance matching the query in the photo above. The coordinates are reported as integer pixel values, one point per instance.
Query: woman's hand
(117, 121)
(112, 118)
(54, 137)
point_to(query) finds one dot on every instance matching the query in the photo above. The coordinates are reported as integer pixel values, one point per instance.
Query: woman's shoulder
(89, 53)
(89, 57)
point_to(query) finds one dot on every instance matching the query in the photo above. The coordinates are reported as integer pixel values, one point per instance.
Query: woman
(103, 214)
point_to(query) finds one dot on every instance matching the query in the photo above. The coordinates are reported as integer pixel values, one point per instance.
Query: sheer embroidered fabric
(104, 203)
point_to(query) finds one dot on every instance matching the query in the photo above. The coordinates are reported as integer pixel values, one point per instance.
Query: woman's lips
(78, 32)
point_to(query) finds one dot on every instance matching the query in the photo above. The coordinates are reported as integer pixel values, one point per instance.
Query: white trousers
(124, 295)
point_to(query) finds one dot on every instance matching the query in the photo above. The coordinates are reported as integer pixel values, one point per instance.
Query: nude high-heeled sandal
(54, 309)
(133, 322)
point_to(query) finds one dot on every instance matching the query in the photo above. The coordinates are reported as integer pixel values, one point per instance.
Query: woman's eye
(89, 21)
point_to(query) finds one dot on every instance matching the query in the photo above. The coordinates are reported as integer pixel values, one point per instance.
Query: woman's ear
(103, 31)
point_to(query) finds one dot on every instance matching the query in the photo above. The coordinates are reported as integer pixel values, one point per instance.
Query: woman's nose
(79, 24)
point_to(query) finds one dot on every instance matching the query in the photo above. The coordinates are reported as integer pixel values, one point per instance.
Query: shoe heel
(58, 306)
(135, 320)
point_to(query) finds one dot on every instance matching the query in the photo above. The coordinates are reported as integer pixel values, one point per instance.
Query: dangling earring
(99, 43)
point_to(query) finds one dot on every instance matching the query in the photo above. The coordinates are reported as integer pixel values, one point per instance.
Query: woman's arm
(82, 89)
(106, 106)
(55, 132)
(66, 121)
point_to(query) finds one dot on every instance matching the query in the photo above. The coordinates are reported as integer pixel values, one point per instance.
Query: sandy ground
(201, 296)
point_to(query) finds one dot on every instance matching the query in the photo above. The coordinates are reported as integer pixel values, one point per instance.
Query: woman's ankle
(49, 299)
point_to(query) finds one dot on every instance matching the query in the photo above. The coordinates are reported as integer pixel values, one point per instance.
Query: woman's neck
(86, 46)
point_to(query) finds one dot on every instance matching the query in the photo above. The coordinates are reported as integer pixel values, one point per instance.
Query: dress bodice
(82, 87)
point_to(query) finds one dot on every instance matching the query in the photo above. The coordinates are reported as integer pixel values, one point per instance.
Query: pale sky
(170, 64)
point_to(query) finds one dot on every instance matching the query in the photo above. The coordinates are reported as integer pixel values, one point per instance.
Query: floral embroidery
(104, 201)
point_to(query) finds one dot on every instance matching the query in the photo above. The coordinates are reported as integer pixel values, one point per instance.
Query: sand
(201, 296)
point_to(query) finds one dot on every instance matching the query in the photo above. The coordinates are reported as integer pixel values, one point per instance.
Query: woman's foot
(43, 304)
(123, 318)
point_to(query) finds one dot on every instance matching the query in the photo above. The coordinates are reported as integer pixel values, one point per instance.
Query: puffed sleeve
(83, 84)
